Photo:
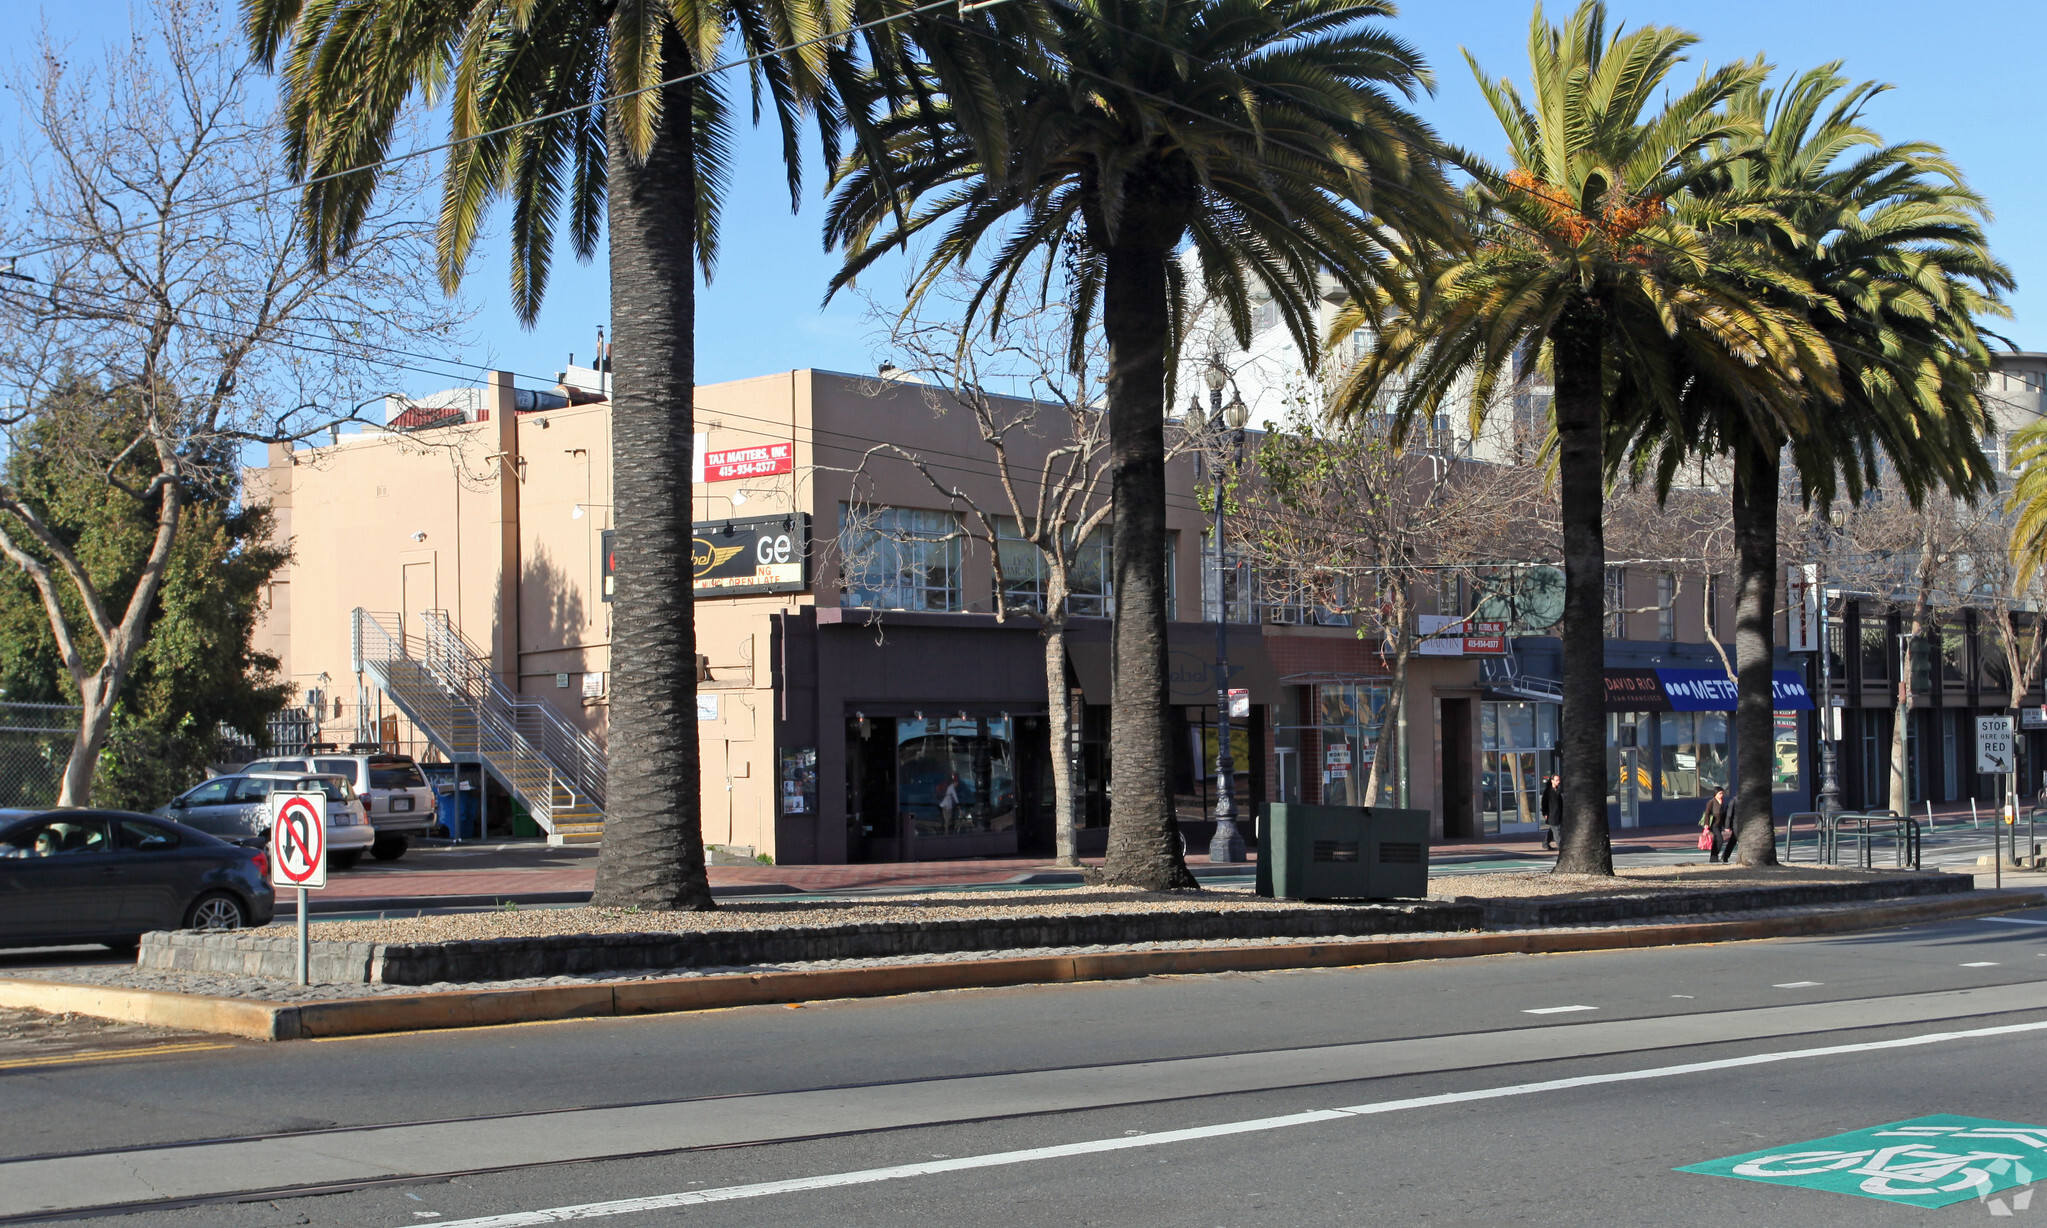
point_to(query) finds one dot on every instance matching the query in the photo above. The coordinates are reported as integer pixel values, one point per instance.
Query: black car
(110, 875)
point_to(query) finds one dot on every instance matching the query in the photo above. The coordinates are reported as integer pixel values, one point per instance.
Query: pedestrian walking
(1552, 809)
(1719, 826)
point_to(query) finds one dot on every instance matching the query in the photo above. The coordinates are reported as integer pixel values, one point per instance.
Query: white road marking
(2011, 921)
(1557, 1010)
(1798, 984)
(1982, 963)
(870, 1176)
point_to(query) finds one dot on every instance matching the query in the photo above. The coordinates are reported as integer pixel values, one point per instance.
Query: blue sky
(762, 312)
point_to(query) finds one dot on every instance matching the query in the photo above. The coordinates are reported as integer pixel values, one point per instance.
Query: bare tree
(163, 279)
(1908, 559)
(1033, 395)
(1351, 521)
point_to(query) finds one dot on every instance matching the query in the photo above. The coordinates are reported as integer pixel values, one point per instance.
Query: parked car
(237, 808)
(394, 792)
(109, 876)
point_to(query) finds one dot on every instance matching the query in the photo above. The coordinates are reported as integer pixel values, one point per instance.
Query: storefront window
(1692, 757)
(1785, 777)
(956, 777)
(1349, 714)
(1518, 741)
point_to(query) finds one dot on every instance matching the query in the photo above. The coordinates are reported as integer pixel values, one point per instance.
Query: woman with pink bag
(1716, 834)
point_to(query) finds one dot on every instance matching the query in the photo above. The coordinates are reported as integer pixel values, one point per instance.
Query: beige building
(859, 700)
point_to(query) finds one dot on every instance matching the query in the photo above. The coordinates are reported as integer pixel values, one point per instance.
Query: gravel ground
(1523, 885)
(764, 914)
(217, 985)
(1069, 901)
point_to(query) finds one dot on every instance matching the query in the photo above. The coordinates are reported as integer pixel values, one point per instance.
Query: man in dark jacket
(1720, 824)
(1552, 809)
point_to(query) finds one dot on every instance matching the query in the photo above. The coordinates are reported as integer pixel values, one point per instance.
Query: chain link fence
(35, 742)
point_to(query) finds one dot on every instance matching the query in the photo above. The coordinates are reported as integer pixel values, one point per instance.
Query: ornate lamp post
(1227, 845)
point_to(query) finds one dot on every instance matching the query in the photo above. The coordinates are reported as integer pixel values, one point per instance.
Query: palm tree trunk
(653, 836)
(1755, 615)
(1585, 846)
(1144, 836)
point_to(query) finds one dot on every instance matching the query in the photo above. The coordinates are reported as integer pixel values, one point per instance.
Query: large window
(1349, 713)
(898, 558)
(1692, 753)
(1026, 572)
(1876, 646)
(956, 777)
(1519, 743)
(1616, 603)
(1227, 585)
(1666, 605)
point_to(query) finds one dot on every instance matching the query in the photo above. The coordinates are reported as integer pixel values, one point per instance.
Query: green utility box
(1343, 853)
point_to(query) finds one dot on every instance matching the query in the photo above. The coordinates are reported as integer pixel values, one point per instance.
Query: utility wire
(457, 143)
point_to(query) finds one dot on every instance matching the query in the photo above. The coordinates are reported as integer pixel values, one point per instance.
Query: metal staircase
(446, 689)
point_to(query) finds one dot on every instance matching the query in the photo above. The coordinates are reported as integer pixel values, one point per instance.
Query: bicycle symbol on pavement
(1926, 1161)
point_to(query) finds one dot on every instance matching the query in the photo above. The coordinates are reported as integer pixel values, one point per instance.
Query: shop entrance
(1457, 770)
(873, 832)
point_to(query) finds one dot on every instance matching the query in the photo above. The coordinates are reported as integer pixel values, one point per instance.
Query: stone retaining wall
(275, 956)
(1607, 909)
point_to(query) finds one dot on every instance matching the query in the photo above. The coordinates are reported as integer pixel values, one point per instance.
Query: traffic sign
(1993, 745)
(298, 839)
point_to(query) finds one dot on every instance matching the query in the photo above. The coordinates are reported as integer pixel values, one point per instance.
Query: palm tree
(645, 156)
(1263, 132)
(1586, 255)
(1889, 243)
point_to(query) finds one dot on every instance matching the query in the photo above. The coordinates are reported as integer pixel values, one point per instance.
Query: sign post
(1994, 755)
(298, 853)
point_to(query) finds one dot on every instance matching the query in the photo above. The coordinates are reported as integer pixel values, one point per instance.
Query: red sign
(734, 463)
(1486, 640)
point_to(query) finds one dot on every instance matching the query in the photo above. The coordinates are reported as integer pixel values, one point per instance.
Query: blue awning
(1709, 690)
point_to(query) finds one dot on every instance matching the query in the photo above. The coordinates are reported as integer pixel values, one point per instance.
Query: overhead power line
(413, 154)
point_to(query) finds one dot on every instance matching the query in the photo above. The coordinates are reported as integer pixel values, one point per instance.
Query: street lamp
(1227, 845)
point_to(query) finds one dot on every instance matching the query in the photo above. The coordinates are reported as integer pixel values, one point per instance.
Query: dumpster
(1343, 853)
(454, 799)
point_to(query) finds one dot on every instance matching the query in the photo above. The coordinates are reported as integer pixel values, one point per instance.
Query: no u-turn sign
(298, 839)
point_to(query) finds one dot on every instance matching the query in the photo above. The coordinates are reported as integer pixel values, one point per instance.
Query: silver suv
(392, 788)
(237, 808)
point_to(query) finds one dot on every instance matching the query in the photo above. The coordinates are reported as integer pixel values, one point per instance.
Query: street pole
(1829, 800)
(1227, 845)
(305, 943)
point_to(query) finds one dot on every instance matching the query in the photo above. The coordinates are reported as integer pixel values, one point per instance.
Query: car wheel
(216, 910)
(344, 860)
(389, 848)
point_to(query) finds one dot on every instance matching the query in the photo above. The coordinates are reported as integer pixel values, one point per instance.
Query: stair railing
(450, 718)
(573, 755)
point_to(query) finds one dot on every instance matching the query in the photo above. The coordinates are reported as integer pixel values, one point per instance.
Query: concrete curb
(484, 1007)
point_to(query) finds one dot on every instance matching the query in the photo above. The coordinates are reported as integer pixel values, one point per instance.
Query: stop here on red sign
(733, 463)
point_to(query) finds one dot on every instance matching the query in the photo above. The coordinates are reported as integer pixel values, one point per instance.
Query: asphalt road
(1527, 1090)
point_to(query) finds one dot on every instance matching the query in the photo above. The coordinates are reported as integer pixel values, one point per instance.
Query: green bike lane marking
(1932, 1161)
